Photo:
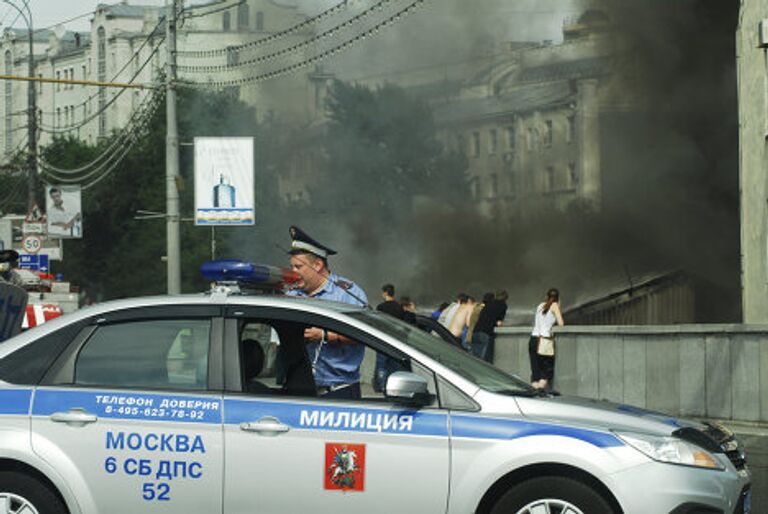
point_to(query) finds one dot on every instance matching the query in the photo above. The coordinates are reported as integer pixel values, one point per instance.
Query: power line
(91, 117)
(129, 147)
(294, 48)
(139, 116)
(127, 63)
(14, 194)
(311, 61)
(271, 38)
(219, 9)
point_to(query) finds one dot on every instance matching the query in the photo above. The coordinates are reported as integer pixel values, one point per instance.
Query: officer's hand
(313, 334)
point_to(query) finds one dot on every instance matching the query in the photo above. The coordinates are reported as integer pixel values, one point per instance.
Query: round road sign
(32, 243)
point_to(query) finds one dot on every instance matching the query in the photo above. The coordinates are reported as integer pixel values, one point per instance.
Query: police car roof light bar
(247, 273)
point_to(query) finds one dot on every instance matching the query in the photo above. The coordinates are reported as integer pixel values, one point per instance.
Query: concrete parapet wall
(711, 371)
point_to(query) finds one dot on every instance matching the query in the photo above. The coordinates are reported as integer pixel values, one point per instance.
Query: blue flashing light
(241, 272)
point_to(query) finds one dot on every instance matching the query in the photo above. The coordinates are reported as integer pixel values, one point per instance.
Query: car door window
(277, 360)
(160, 354)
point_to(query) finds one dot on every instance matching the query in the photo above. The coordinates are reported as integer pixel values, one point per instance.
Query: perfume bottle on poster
(223, 193)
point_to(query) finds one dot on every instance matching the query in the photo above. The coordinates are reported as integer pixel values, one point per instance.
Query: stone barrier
(709, 371)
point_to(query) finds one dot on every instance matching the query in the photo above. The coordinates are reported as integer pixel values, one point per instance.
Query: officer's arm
(316, 334)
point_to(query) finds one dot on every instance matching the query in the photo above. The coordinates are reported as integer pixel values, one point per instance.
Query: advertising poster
(224, 187)
(63, 212)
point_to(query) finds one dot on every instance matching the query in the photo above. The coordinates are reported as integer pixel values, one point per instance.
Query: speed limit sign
(32, 243)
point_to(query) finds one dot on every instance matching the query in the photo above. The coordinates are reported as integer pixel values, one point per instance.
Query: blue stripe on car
(163, 407)
(15, 401)
(476, 427)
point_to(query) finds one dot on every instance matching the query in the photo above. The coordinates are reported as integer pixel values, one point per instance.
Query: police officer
(9, 259)
(335, 358)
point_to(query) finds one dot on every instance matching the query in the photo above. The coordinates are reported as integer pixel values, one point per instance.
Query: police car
(176, 404)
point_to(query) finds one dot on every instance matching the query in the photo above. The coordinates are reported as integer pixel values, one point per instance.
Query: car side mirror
(408, 388)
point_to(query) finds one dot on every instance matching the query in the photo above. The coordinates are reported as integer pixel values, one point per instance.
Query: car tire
(24, 489)
(557, 491)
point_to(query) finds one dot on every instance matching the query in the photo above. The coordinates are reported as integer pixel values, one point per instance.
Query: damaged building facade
(530, 125)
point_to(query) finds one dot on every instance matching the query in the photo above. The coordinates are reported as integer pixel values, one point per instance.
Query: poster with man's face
(63, 212)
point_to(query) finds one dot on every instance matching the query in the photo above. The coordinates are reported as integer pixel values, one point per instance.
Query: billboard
(224, 187)
(63, 212)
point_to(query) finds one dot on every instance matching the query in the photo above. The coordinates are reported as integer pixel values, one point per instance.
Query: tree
(382, 151)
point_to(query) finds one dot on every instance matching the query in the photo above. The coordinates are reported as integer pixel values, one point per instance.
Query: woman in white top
(547, 314)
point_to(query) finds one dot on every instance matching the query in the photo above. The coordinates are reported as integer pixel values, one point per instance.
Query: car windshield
(477, 371)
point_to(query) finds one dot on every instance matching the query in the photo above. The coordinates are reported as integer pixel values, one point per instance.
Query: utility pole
(31, 106)
(31, 121)
(173, 251)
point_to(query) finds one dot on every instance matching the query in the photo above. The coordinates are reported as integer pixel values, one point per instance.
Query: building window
(475, 144)
(475, 187)
(494, 185)
(548, 133)
(493, 144)
(550, 179)
(531, 139)
(259, 20)
(573, 175)
(233, 57)
(243, 15)
(84, 74)
(40, 84)
(511, 138)
(58, 116)
(58, 84)
(570, 134)
(225, 23)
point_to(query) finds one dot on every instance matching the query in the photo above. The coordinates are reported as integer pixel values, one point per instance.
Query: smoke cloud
(670, 176)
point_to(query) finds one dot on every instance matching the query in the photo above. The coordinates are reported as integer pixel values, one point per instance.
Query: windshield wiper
(529, 393)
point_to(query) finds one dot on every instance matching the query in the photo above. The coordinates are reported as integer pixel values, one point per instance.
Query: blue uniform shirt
(337, 363)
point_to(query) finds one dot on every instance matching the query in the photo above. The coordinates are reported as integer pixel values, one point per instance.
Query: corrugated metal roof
(519, 100)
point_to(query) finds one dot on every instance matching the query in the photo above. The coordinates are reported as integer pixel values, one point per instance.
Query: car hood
(601, 414)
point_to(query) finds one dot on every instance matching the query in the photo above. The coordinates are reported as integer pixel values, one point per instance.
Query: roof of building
(592, 67)
(39, 36)
(124, 10)
(524, 99)
(618, 289)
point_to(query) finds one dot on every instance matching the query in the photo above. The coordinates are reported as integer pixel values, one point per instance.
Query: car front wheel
(23, 494)
(552, 495)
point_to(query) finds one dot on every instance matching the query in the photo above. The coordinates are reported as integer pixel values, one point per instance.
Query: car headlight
(670, 450)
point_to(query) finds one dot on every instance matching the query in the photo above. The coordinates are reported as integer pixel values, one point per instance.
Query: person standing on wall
(541, 347)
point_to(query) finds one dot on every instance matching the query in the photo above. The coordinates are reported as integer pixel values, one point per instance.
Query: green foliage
(382, 150)
(121, 256)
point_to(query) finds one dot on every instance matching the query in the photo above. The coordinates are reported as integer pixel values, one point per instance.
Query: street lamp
(32, 106)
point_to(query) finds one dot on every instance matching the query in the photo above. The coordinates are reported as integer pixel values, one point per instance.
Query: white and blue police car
(207, 404)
